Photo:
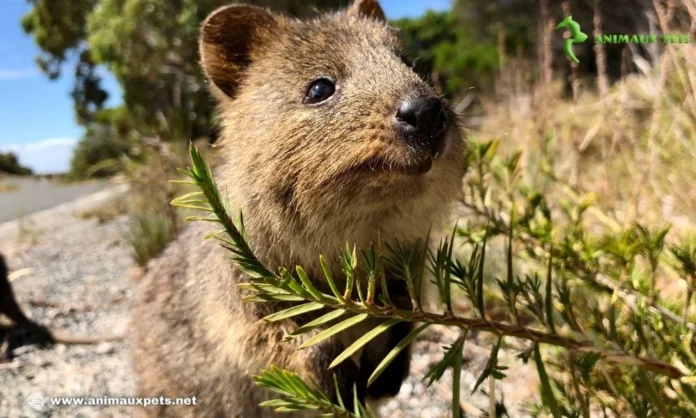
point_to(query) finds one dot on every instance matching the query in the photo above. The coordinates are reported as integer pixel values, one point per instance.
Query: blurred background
(99, 98)
(85, 83)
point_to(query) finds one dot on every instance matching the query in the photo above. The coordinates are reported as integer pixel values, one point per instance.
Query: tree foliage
(461, 48)
(446, 52)
(151, 47)
(58, 28)
(100, 146)
(9, 164)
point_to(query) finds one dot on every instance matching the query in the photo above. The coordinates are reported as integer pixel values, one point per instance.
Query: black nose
(422, 117)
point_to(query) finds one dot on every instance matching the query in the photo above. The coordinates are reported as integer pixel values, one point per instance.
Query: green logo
(576, 36)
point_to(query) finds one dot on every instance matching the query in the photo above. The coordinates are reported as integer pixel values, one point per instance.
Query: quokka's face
(343, 117)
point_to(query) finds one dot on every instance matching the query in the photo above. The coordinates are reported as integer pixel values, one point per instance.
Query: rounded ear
(228, 39)
(369, 9)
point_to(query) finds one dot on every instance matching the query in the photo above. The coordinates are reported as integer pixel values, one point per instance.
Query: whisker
(479, 130)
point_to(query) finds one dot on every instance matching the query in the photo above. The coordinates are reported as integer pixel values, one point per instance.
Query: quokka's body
(328, 137)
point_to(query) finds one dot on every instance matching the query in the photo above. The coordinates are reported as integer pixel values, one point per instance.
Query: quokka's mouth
(411, 168)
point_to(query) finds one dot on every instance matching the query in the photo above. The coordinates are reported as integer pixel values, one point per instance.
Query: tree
(445, 51)
(522, 23)
(149, 45)
(10, 164)
(100, 144)
(59, 30)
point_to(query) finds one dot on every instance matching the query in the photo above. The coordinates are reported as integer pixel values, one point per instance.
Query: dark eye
(320, 90)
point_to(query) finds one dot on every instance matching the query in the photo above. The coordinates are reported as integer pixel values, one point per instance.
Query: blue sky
(36, 114)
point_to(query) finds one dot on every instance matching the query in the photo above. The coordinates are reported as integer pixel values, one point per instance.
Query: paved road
(35, 195)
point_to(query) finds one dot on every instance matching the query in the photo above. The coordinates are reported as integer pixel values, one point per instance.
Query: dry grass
(153, 221)
(107, 211)
(634, 147)
(8, 188)
(28, 231)
(148, 235)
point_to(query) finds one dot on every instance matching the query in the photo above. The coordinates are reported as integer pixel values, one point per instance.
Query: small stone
(105, 348)
(406, 389)
(431, 412)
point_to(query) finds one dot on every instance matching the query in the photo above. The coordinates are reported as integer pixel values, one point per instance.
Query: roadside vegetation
(9, 164)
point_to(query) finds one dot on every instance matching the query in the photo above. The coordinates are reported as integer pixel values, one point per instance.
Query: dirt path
(78, 283)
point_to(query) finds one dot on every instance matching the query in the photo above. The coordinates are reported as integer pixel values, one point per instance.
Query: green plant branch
(602, 282)
(299, 395)
(504, 329)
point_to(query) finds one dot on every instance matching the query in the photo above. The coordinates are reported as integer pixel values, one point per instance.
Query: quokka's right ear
(229, 38)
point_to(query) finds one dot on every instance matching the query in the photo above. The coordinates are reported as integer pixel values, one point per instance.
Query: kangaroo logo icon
(576, 36)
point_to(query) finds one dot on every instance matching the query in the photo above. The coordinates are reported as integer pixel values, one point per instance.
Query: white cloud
(50, 155)
(12, 74)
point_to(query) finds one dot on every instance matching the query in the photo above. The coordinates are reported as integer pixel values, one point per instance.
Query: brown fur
(308, 178)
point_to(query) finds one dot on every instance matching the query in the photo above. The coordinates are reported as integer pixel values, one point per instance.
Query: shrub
(96, 152)
(10, 164)
(616, 348)
(148, 235)
(154, 222)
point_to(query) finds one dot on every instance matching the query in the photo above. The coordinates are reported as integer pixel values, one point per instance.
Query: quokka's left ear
(367, 8)
(230, 38)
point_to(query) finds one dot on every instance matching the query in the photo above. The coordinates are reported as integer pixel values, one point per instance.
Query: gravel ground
(416, 400)
(78, 284)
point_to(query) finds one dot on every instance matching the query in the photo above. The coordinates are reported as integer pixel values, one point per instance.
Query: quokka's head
(326, 117)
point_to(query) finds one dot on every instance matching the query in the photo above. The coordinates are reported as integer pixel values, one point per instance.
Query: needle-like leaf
(546, 390)
(322, 320)
(395, 352)
(360, 342)
(330, 332)
(294, 311)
